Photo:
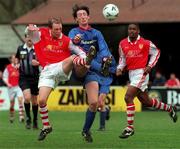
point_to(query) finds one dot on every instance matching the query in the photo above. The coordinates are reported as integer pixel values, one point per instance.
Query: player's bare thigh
(80, 71)
(44, 93)
(68, 64)
(92, 90)
(131, 93)
(144, 98)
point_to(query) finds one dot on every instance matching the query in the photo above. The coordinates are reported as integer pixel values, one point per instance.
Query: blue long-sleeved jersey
(94, 37)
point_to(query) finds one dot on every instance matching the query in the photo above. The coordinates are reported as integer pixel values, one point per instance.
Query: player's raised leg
(81, 70)
(155, 103)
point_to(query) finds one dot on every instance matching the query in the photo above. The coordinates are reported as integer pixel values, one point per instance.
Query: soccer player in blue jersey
(98, 77)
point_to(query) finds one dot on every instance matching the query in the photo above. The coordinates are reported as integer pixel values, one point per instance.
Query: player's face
(13, 59)
(82, 17)
(56, 30)
(133, 31)
(29, 41)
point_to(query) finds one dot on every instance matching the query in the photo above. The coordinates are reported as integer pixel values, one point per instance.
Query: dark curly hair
(77, 8)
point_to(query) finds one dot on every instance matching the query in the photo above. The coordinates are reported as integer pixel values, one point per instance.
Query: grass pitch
(153, 130)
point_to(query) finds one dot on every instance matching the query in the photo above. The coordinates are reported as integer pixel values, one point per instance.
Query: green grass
(154, 130)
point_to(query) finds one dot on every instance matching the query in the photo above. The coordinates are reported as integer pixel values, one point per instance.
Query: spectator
(1, 80)
(159, 79)
(173, 81)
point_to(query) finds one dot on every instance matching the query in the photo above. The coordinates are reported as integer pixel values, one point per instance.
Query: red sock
(44, 115)
(130, 115)
(11, 112)
(160, 105)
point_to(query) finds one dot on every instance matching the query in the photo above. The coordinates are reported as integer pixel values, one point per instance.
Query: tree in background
(12, 9)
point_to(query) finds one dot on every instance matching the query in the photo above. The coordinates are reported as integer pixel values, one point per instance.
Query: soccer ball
(110, 11)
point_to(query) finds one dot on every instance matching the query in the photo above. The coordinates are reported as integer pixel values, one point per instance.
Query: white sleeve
(77, 50)
(34, 35)
(122, 59)
(5, 76)
(154, 53)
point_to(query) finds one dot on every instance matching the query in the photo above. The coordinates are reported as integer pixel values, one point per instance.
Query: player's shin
(44, 115)
(130, 115)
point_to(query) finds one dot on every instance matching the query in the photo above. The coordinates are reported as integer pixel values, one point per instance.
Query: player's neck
(84, 26)
(133, 39)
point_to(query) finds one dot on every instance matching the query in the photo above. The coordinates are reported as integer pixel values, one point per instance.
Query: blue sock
(89, 120)
(102, 118)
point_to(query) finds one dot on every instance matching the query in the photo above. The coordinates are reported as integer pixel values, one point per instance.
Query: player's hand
(79, 61)
(35, 62)
(32, 27)
(147, 70)
(118, 72)
(77, 39)
(87, 66)
(9, 85)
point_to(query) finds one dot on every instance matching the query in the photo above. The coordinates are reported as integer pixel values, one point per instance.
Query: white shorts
(52, 74)
(15, 92)
(138, 79)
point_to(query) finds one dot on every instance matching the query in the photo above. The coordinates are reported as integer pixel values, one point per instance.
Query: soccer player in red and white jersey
(11, 79)
(53, 51)
(133, 54)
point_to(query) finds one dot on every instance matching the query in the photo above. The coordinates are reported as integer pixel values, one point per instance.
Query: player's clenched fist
(77, 39)
(32, 27)
(79, 61)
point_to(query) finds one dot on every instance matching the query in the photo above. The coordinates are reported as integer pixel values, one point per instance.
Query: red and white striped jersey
(134, 55)
(49, 50)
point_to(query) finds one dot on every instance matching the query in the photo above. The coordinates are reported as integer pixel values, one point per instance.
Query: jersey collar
(135, 41)
(88, 28)
(26, 47)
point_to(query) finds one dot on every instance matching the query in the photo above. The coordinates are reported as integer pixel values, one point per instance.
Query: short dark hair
(54, 20)
(136, 24)
(11, 56)
(77, 8)
(26, 35)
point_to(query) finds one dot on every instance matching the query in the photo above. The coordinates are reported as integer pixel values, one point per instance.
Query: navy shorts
(103, 86)
(29, 83)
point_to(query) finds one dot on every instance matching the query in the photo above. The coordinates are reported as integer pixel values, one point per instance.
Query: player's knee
(34, 102)
(41, 102)
(128, 98)
(148, 103)
(12, 103)
(27, 98)
(93, 106)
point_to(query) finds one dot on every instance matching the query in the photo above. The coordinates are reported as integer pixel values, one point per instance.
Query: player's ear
(76, 19)
(88, 17)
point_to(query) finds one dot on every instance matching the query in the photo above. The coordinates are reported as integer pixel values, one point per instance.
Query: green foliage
(12, 9)
(154, 130)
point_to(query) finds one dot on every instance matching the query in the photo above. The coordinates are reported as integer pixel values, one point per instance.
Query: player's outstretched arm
(33, 32)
